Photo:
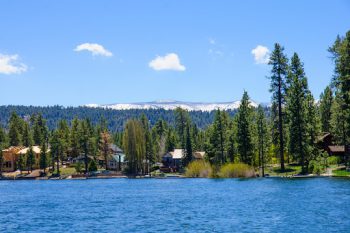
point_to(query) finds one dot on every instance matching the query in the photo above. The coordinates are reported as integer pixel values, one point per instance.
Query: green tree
(15, 130)
(30, 159)
(92, 166)
(279, 70)
(188, 149)
(74, 139)
(262, 138)
(43, 157)
(21, 164)
(39, 128)
(27, 136)
(244, 130)
(134, 146)
(56, 149)
(105, 141)
(326, 100)
(297, 111)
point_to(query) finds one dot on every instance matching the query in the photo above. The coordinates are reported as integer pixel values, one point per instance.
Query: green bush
(238, 170)
(315, 167)
(92, 166)
(333, 160)
(198, 168)
(78, 167)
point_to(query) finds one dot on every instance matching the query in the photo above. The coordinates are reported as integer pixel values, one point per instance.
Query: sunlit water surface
(176, 205)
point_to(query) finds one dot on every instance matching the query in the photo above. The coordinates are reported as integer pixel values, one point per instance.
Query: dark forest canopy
(116, 118)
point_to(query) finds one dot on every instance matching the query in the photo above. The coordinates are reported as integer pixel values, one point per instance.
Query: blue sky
(78, 52)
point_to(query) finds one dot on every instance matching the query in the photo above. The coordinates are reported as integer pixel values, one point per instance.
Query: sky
(80, 52)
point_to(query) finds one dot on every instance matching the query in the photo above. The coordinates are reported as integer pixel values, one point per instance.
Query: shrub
(92, 166)
(78, 167)
(333, 160)
(315, 167)
(198, 168)
(238, 170)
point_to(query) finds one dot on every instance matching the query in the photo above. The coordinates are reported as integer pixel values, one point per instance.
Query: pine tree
(262, 138)
(21, 163)
(74, 139)
(297, 110)
(188, 149)
(326, 100)
(15, 136)
(279, 63)
(27, 136)
(38, 129)
(105, 141)
(56, 149)
(43, 157)
(244, 135)
(30, 159)
(338, 120)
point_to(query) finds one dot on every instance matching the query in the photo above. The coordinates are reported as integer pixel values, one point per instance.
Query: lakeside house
(116, 159)
(172, 160)
(12, 154)
(325, 142)
(10, 158)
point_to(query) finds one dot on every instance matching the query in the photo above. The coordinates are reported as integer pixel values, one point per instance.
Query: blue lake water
(176, 205)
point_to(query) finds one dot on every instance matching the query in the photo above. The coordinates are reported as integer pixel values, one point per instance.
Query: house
(116, 159)
(10, 158)
(172, 161)
(198, 155)
(12, 154)
(325, 142)
(36, 151)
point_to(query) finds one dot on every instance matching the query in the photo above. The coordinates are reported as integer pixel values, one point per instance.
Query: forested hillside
(116, 118)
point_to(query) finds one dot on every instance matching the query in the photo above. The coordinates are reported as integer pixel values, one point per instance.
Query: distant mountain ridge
(173, 104)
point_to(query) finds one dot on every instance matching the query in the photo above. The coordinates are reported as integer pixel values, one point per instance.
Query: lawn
(341, 172)
(289, 170)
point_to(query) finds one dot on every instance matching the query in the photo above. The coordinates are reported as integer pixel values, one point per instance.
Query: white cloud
(95, 49)
(170, 61)
(261, 54)
(9, 64)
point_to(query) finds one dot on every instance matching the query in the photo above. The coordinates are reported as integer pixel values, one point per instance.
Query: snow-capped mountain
(172, 104)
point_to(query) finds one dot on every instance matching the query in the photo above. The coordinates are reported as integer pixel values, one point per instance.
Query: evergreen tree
(74, 139)
(279, 63)
(244, 134)
(181, 120)
(188, 149)
(297, 110)
(38, 129)
(313, 129)
(262, 138)
(326, 100)
(105, 140)
(56, 149)
(30, 159)
(43, 157)
(149, 154)
(338, 120)
(21, 163)
(15, 136)
(27, 136)
(85, 141)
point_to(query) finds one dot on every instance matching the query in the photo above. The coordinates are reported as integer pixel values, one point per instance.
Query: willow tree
(279, 63)
(134, 146)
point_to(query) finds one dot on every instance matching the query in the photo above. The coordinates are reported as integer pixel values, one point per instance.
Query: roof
(323, 136)
(177, 153)
(115, 148)
(337, 149)
(199, 154)
(13, 149)
(36, 150)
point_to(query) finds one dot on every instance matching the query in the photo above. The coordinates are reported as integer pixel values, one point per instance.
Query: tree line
(285, 132)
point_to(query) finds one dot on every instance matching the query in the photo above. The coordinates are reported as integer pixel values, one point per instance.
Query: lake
(176, 205)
